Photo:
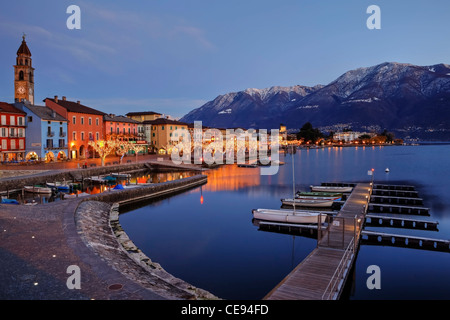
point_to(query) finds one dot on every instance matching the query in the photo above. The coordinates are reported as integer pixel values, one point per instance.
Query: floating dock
(323, 273)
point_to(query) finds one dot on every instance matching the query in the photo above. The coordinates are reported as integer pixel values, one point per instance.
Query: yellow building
(159, 132)
(144, 116)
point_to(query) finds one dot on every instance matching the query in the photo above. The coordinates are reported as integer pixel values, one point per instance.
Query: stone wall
(97, 220)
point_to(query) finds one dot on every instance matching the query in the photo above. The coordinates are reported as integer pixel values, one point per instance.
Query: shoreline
(39, 242)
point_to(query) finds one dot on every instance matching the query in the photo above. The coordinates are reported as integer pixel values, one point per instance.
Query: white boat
(38, 189)
(292, 216)
(58, 185)
(386, 170)
(307, 202)
(331, 189)
(316, 198)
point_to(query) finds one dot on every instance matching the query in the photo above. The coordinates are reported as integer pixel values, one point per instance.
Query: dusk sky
(172, 56)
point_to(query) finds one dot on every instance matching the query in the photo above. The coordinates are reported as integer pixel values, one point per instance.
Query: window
(118, 130)
(91, 137)
(82, 122)
(153, 134)
(96, 122)
(111, 130)
(12, 120)
(30, 119)
(21, 146)
(74, 136)
(49, 143)
(13, 144)
(61, 143)
(4, 120)
(4, 144)
(74, 120)
(90, 121)
(20, 121)
(162, 128)
(97, 136)
(82, 134)
(21, 75)
(11, 134)
(3, 133)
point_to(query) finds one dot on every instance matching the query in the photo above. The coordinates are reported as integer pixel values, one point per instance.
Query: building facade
(46, 133)
(84, 124)
(12, 133)
(159, 133)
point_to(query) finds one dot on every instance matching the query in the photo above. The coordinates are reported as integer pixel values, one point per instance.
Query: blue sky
(172, 56)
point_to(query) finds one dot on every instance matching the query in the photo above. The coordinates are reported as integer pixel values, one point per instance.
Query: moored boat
(58, 185)
(331, 189)
(120, 175)
(37, 189)
(319, 194)
(292, 216)
(307, 203)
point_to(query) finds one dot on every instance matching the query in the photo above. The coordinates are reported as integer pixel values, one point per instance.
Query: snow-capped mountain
(400, 97)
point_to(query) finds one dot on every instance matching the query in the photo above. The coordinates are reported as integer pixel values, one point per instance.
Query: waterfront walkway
(38, 244)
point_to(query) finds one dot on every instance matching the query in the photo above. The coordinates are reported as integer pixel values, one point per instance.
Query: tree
(128, 146)
(104, 147)
(308, 133)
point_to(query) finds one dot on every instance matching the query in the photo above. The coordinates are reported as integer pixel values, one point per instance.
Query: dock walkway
(322, 274)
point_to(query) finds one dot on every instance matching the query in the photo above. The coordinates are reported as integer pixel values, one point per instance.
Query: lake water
(206, 237)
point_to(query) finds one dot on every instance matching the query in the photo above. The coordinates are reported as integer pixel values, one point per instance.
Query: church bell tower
(24, 74)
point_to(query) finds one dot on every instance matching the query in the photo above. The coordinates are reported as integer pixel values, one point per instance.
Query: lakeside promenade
(38, 244)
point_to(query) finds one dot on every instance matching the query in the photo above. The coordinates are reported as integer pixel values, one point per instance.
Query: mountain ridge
(400, 97)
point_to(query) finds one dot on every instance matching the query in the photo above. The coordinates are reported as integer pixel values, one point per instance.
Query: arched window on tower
(21, 75)
(31, 76)
(26, 62)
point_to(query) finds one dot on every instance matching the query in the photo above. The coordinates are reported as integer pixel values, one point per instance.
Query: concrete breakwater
(97, 220)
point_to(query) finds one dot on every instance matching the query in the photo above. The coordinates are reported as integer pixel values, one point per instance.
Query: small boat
(318, 194)
(307, 203)
(38, 189)
(120, 175)
(331, 189)
(305, 217)
(317, 198)
(58, 185)
(387, 170)
(9, 201)
(248, 165)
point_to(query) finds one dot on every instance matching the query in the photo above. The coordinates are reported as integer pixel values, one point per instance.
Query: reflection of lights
(201, 199)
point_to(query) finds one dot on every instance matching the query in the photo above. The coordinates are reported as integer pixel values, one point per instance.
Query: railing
(50, 134)
(340, 273)
(62, 134)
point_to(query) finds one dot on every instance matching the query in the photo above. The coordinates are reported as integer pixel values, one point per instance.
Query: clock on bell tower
(24, 74)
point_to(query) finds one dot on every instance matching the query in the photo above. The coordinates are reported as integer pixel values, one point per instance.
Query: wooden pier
(322, 275)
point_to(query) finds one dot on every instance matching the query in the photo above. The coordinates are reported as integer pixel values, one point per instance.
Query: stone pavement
(38, 243)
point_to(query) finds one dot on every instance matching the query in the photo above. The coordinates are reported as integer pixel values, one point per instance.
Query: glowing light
(201, 199)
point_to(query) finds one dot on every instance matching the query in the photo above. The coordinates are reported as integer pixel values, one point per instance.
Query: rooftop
(114, 118)
(76, 107)
(45, 113)
(9, 108)
(164, 121)
(143, 113)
